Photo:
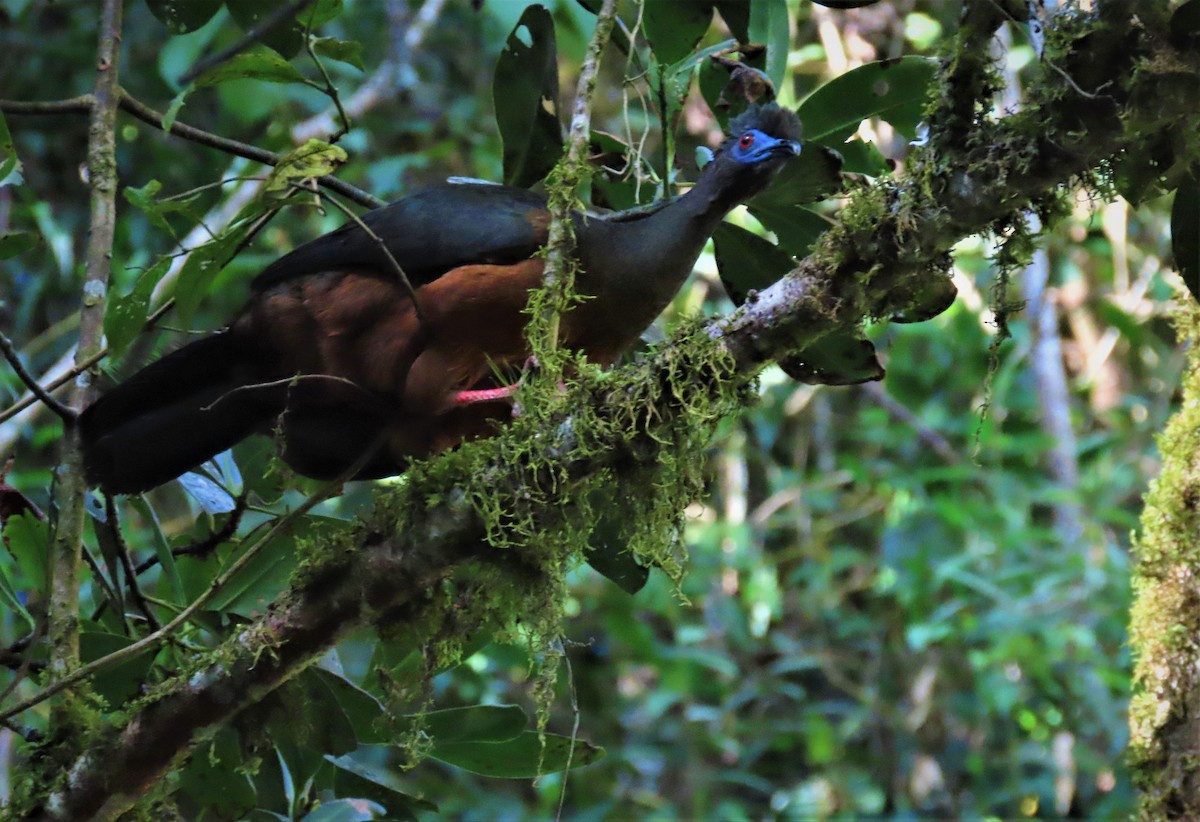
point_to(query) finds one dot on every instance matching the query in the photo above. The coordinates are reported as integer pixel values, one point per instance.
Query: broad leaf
(813, 176)
(769, 26)
(344, 51)
(893, 90)
(17, 242)
(116, 683)
(126, 314)
(522, 757)
(315, 158)
(525, 93)
(216, 777)
(476, 723)
(355, 778)
(674, 27)
(258, 64)
(796, 228)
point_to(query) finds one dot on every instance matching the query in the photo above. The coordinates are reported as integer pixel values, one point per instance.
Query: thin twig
(259, 155)
(397, 269)
(131, 580)
(20, 405)
(74, 105)
(64, 412)
(84, 104)
(163, 633)
(252, 35)
(203, 547)
(330, 89)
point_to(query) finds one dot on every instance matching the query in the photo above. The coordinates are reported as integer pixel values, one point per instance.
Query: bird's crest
(772, 119)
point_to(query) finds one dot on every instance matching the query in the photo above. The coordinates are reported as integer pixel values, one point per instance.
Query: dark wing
(429, 233)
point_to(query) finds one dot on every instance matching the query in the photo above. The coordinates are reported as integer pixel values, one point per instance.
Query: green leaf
(116, 683)
(861, 157)
(8, 592)
(126, 313)
(520, 758)
(747, 262)
(344, 51)
(9, 163)
(354, 778)
(346, 810)
(162, 549)
(796, 228)
(216, 778)
(182, 16)
(609, 556)
(893, 90)
(17, 242)
(525, 93)
(315, 158)
(206, 261)
(259, 64)
(363, 710)
(769, 26)
(813, 176)
(674, 27)
(736, 14)
(1185, 233)
(28, 538)
(285, 37)
(837, 358)
(476, 723)
(309, 721)
(264, 576)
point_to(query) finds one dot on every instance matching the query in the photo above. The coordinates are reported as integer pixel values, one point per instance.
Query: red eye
(747, 140)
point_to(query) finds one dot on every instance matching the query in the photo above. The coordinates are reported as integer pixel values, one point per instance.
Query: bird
(352, 371)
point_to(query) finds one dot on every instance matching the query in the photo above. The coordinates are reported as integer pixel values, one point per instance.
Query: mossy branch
(893, 237)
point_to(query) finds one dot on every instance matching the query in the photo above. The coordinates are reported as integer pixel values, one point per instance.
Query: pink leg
(483, 395)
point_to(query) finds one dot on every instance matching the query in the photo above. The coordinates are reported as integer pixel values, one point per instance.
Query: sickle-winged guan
(331, 356)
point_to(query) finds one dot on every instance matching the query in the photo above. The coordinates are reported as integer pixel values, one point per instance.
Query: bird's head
(760, 140)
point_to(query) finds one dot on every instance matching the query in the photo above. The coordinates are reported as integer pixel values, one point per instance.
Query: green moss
(1165, 619)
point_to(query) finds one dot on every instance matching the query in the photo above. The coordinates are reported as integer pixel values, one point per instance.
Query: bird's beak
(788, 147)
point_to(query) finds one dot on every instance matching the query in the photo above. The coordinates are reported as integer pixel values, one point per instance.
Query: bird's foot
(504, 392)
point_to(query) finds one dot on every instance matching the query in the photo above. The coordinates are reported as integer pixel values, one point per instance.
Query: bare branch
(67, 543)
(64, 412)
(252, 35)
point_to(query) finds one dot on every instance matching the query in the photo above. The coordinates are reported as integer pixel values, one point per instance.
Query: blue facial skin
(754, 146)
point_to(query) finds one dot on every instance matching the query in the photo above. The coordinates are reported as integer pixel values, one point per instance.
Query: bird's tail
(174, 414)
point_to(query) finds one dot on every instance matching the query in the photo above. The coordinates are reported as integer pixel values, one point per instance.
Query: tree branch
(64, 412)
(67, 543)
(129, 104)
